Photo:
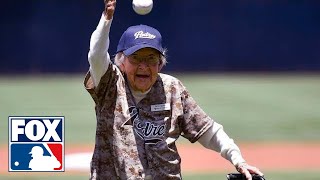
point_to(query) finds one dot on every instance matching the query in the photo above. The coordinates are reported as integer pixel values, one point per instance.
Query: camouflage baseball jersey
(138, 142)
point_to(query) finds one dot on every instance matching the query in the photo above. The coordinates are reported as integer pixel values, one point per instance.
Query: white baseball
(142, 7)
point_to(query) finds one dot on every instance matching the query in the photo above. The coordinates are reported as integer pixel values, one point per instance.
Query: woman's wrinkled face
(142, 68)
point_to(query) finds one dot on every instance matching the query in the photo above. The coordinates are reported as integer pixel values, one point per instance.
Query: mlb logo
(36, 143)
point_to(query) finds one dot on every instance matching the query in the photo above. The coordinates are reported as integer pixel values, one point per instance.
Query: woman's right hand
(109, 7)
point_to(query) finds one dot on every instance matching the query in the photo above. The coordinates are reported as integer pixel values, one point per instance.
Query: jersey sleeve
(106, 91)
(194, 121)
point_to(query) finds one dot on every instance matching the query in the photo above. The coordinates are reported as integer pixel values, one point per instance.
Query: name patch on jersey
(160, 107)
(36, 143)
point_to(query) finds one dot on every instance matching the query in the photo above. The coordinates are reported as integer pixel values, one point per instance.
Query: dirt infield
(267, 157)
(195, 158)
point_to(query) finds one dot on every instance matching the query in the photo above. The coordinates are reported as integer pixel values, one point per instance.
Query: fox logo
(36, 143)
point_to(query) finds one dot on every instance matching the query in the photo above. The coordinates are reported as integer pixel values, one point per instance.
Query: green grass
(251, 107)
(53, 95)
(311, 175)
(261, 107)
(290, 175)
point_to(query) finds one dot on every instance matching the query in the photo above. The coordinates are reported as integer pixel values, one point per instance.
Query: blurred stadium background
(252, 65)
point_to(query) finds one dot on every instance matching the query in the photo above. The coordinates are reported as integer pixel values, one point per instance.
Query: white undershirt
(215, 138)
(138, 95)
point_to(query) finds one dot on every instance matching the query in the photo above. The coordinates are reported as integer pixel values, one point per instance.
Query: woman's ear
(160, 67)
(122, 68)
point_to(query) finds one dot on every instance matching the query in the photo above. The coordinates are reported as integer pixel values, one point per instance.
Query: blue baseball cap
(138, 37)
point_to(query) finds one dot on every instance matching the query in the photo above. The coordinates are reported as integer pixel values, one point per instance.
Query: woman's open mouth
(142, 76)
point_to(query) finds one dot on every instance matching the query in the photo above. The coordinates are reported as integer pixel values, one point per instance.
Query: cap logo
(146, 35)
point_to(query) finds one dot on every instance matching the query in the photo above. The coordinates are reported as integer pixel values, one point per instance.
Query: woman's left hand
(247, 170)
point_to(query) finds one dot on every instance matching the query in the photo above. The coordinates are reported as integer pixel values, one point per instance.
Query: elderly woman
(141, 113)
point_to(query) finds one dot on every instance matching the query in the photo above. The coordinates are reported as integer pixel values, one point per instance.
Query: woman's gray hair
(119, 58)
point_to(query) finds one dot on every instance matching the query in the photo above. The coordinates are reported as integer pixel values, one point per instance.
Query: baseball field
(274, 118)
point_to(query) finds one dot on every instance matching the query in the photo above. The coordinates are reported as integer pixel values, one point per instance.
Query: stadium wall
(53, 36)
